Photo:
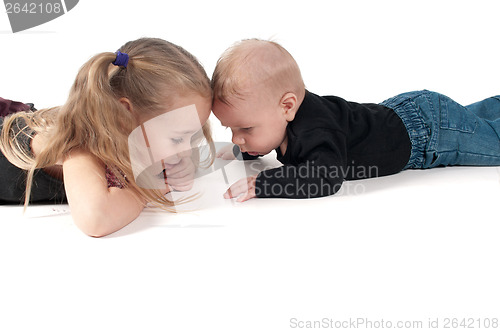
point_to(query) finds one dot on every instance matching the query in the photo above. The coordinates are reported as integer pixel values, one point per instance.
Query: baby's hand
(181, 176)
(244, 187)
(226, 152)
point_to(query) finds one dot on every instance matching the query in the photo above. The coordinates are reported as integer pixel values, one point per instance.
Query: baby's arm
(287, 182)
(96, 209)
(319, 169)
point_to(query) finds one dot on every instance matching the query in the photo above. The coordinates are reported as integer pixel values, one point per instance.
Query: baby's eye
(177, 140)
(247, 128)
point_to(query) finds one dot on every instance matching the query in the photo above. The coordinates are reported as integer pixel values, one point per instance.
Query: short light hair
(251, 63)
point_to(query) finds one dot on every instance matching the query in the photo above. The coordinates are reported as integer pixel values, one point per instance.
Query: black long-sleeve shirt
(332, 140)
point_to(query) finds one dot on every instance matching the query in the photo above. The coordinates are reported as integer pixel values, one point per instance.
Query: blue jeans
(444, 133)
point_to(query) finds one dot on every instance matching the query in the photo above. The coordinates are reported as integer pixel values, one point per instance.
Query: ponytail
(94, 119)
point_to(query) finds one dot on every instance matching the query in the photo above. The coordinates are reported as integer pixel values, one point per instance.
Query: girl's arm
(96, 209)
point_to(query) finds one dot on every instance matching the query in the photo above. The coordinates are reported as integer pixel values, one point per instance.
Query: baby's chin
(258, 153)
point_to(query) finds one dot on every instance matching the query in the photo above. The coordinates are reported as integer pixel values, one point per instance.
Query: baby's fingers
(238, 188)
(244, 187)
(246, 196)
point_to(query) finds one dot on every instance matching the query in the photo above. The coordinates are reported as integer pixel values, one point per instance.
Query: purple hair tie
(121, 59)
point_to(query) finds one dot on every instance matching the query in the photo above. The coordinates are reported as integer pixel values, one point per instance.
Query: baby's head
(257, 89)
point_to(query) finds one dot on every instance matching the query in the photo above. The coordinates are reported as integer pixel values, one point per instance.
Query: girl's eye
(177, 140)
(247, 129)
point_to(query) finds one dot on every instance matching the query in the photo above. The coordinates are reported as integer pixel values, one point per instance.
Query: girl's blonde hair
(93, 118)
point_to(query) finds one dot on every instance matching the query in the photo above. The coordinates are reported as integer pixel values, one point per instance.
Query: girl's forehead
(185, 118)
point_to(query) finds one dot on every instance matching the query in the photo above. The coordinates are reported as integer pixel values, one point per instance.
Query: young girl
(84, 144)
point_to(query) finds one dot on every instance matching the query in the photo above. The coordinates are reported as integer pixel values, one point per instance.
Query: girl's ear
(289, 105)
(126, 103)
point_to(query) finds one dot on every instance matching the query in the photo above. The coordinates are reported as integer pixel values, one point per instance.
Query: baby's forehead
(248, 99)
(236, 110)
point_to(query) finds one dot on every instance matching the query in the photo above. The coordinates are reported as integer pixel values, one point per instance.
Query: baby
(322, 141)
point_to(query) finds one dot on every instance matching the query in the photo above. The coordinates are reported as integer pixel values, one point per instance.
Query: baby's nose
(238, 140)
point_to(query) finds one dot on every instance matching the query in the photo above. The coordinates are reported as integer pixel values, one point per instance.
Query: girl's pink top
(113, 180)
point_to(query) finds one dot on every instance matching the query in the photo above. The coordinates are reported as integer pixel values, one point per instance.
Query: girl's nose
(185, 153)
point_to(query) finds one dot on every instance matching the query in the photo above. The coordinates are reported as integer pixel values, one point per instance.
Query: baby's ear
(289, 105)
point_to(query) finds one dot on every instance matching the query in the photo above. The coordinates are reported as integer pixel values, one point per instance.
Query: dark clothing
(332, 140)
(9, 106)
(45, 189)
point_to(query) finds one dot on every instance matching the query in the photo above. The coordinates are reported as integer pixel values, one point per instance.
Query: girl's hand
(226, 152)
(181, 176)
(244, 187)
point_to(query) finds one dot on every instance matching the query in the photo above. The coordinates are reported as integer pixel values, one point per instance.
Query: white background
(414, 246)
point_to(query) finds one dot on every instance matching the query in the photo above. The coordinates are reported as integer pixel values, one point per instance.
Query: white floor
(417, 246)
